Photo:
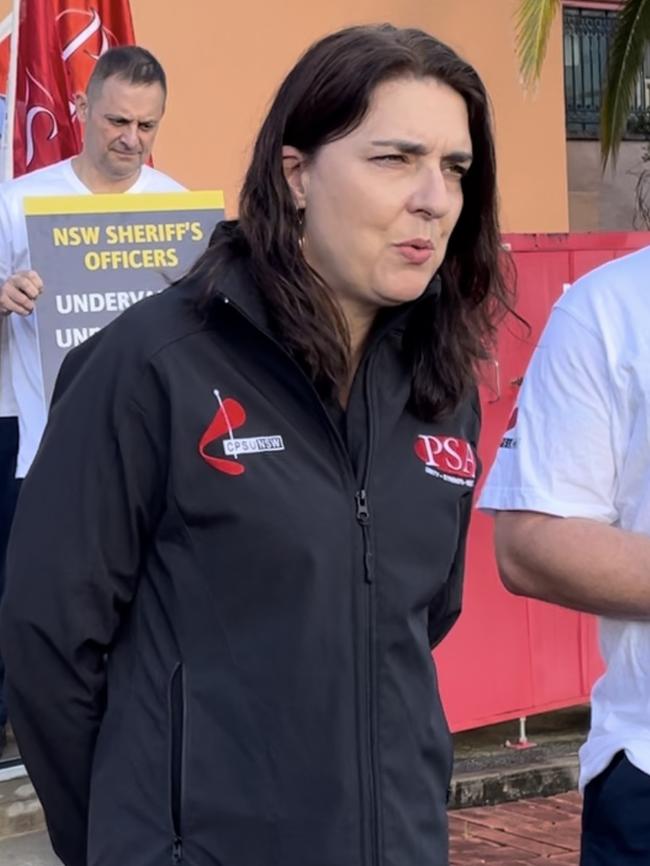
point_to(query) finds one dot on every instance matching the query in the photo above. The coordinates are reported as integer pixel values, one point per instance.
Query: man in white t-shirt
(121, 113)
(571, 488)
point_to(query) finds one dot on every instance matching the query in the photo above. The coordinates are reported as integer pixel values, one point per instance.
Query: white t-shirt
(21, 380)
(580, 447)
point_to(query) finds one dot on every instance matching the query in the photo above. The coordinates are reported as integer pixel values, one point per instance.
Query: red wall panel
(509, 656)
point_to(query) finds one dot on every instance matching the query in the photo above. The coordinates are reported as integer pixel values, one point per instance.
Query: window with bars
(587, 37)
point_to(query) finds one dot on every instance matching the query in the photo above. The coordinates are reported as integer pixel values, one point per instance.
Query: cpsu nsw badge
(230, 416)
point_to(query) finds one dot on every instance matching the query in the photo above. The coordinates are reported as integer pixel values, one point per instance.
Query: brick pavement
(526, 833)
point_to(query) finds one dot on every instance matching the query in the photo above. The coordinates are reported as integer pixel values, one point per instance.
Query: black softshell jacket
(221, 604)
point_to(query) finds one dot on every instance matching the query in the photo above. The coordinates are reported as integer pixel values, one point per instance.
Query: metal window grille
(587, 37)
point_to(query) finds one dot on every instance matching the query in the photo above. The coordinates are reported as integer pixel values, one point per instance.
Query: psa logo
(230, 416)
(448, 458)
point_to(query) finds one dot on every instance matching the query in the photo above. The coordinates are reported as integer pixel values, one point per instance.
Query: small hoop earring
(300, 220)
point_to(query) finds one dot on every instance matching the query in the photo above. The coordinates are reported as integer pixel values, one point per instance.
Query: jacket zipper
(364, 517)
(362, 512)
(176, 757)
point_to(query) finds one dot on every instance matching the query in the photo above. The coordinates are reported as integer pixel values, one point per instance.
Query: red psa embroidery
(447, 457)
(229, 416)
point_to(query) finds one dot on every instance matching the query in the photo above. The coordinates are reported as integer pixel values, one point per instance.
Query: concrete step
(20, 810)
(490, 787)
(30, 849)
(493, 766)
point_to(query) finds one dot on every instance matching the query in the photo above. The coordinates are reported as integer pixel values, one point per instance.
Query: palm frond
(625, 60)
(533, 21)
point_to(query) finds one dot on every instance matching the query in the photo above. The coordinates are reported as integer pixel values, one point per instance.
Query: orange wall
(530, 130)
(224, 61)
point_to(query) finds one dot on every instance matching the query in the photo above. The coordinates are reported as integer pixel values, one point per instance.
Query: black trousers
(9, 487)
(616, 817)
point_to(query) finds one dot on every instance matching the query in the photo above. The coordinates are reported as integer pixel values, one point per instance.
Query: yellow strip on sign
(148, 202)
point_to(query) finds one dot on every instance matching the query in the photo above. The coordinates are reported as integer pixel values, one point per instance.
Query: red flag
(86, 30)
(59, 42)
(4, 65)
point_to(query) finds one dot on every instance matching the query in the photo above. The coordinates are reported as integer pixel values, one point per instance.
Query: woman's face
(381, 203)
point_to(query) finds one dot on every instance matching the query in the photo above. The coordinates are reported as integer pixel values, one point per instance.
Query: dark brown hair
(130, 63)
(326, 96)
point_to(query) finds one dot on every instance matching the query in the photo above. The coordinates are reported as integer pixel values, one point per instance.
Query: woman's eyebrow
(413, 148)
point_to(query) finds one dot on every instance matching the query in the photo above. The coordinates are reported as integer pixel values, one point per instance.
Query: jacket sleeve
(446, 606)
(85, 512)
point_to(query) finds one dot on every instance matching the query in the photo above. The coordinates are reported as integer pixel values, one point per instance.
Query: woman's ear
(294, 166)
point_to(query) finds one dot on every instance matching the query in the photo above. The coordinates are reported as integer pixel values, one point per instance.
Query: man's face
(121, 122)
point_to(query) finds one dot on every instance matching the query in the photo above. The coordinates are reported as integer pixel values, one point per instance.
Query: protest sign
(99, 254)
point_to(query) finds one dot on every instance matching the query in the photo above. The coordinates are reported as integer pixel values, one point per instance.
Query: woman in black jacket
(245, 528)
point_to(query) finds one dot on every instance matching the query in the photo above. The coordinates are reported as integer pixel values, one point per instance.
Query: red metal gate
(510, 656)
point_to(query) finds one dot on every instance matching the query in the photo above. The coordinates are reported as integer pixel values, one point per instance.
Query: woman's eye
(390, 158)
(457, 170)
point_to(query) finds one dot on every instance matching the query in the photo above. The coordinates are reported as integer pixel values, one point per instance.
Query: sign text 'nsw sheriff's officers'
(99, 254)
(139, 245)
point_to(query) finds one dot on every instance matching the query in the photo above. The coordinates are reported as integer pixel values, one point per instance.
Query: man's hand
(19, 292)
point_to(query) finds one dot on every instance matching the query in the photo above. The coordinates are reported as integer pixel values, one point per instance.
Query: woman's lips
(415, 255)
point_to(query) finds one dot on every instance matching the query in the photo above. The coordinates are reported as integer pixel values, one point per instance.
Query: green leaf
(626, 55)
(533, 21)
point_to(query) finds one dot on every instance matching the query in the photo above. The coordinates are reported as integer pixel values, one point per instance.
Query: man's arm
(556, 484)
(577, 563)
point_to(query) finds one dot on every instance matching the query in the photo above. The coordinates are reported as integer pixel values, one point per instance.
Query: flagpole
(8, 138)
